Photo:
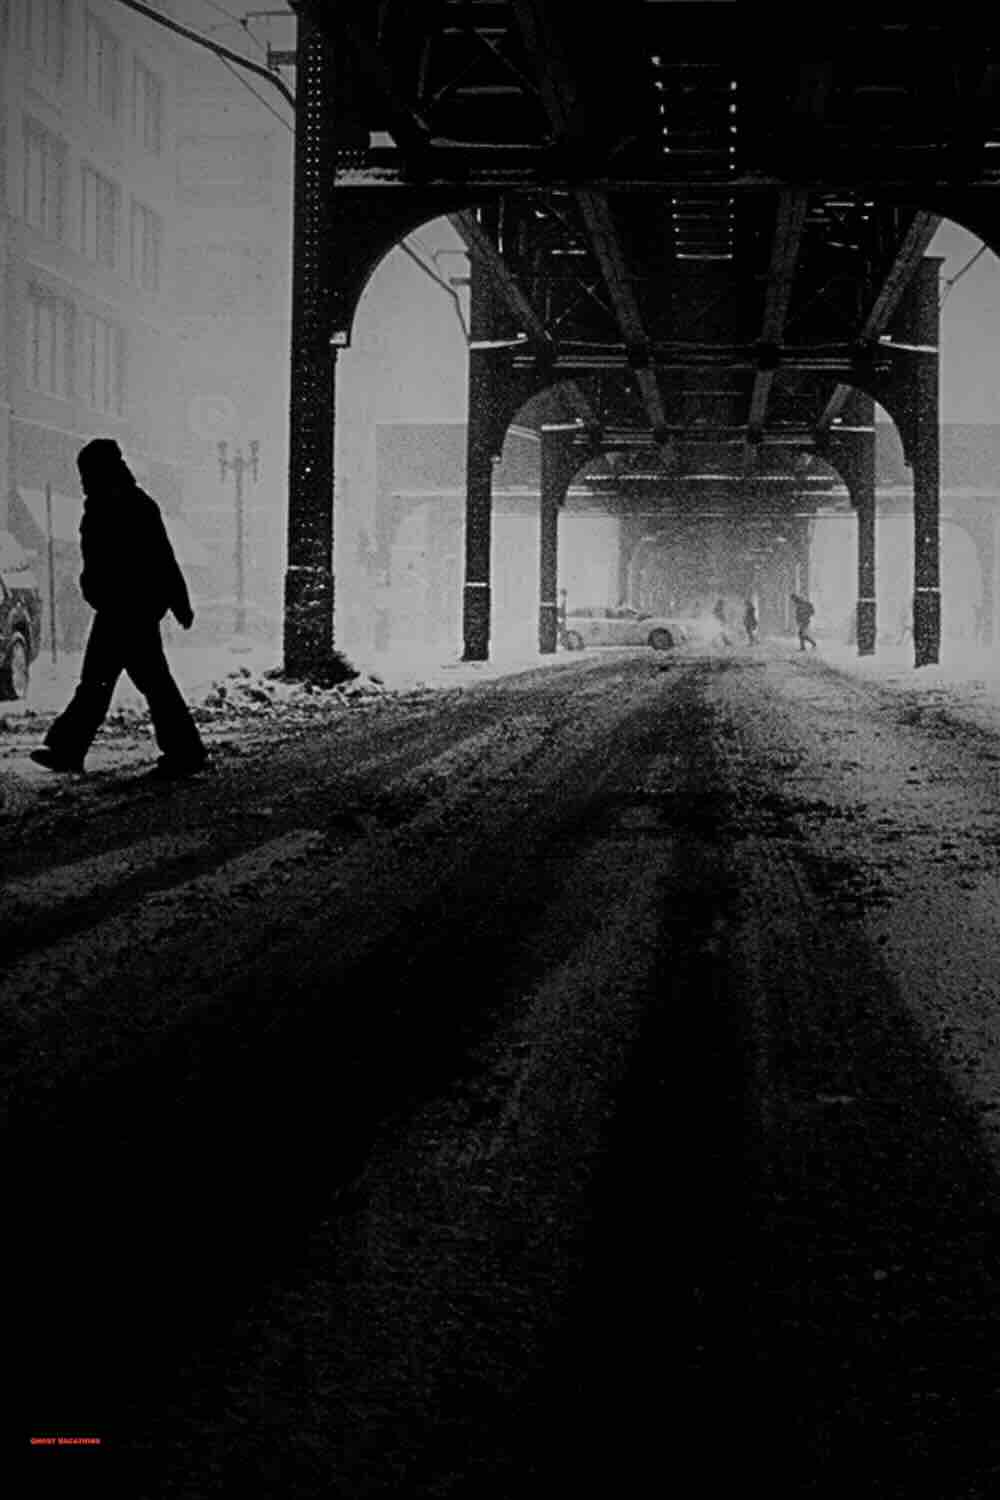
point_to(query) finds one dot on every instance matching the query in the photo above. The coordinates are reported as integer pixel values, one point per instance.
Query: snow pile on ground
(245, 692)
(213, 688)
(965, 683)
(213, 683)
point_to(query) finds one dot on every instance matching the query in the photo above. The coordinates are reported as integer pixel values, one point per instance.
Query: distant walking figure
(130, 579)
(719, 611)
(750, 622)
(804, 612)
(905, 632)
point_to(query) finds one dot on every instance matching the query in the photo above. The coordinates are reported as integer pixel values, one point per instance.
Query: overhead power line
(220, 51)
(257, 95)
(233, 61)
(951, 280)
(240, 21)
(438, 279)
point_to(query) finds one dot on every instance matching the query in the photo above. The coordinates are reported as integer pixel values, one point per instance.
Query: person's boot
(52, 761)
(176, 767)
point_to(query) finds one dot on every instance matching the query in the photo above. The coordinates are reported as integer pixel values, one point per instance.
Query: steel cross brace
(915, 242)
(781, 278)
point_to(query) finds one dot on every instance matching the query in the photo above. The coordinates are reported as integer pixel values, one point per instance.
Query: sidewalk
(403, 669)
(198, 667)
(195, 668)
(960, 663)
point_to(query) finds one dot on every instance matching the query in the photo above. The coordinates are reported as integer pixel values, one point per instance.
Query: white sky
(970, 329)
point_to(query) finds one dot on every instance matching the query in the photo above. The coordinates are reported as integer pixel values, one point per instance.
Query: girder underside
(664, 193)
(690, 242)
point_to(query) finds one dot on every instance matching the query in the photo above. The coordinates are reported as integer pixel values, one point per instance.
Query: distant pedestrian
(905, 632)
(750, 622)
(804, 612)
(722, 636)
(130, 579)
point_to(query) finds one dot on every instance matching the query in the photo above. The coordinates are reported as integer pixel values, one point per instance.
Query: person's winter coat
(129, 566)
(804, 611)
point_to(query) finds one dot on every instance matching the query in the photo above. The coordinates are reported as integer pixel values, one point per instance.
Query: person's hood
(110, 495)
(103, 470)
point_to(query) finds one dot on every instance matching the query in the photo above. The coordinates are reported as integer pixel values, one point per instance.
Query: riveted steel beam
(558, 92)
(410, 131)
(582, 361)
(791, 215)
(607, 248)
(922, 230)
(555, 77)
(481, 246)
(309, 583)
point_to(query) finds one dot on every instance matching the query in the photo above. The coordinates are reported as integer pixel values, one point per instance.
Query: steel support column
(480, 455)
(626, 550)
(560, 457)
(926, 520)
(548, 550)
(926, 460)
(308, 625)
(911, 396)
(496, 391)
(867, 622)
(856, 463)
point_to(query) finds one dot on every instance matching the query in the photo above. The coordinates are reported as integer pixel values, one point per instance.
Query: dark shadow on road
(792, 1282)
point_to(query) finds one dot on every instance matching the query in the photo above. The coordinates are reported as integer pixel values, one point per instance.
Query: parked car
(20, 618)
(620, 625)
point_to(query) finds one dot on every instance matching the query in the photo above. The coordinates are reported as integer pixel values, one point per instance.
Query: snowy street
(504, 1081)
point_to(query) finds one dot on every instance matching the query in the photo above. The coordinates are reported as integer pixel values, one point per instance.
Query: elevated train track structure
(698, 237)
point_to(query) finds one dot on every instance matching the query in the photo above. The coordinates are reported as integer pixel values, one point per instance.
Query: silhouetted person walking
(130, 579)
(719, 611)
(804, 612)
(750, 622)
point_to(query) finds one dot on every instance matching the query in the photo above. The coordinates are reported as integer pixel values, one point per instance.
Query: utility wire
(216, 47)
(439, 281)
(257, 95)
(240, 21)
(960, 273)
(230, 15)
(229, 59)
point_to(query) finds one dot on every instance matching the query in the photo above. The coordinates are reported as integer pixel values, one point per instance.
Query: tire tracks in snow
(341, 1008)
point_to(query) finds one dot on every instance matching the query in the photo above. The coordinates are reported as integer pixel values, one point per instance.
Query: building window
(100, 218)
(102, 68)
(146, 239)
(147, 107)
(50, 343)
(103, 365)
(44, 34)
(44, 180)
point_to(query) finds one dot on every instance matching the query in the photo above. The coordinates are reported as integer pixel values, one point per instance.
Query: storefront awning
(13, 556)
(66, 513)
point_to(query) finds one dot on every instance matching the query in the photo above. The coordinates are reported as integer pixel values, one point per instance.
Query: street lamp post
(237, 466)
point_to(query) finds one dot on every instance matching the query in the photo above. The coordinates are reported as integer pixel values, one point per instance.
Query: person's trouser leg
(71, 734)
(175, 730)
